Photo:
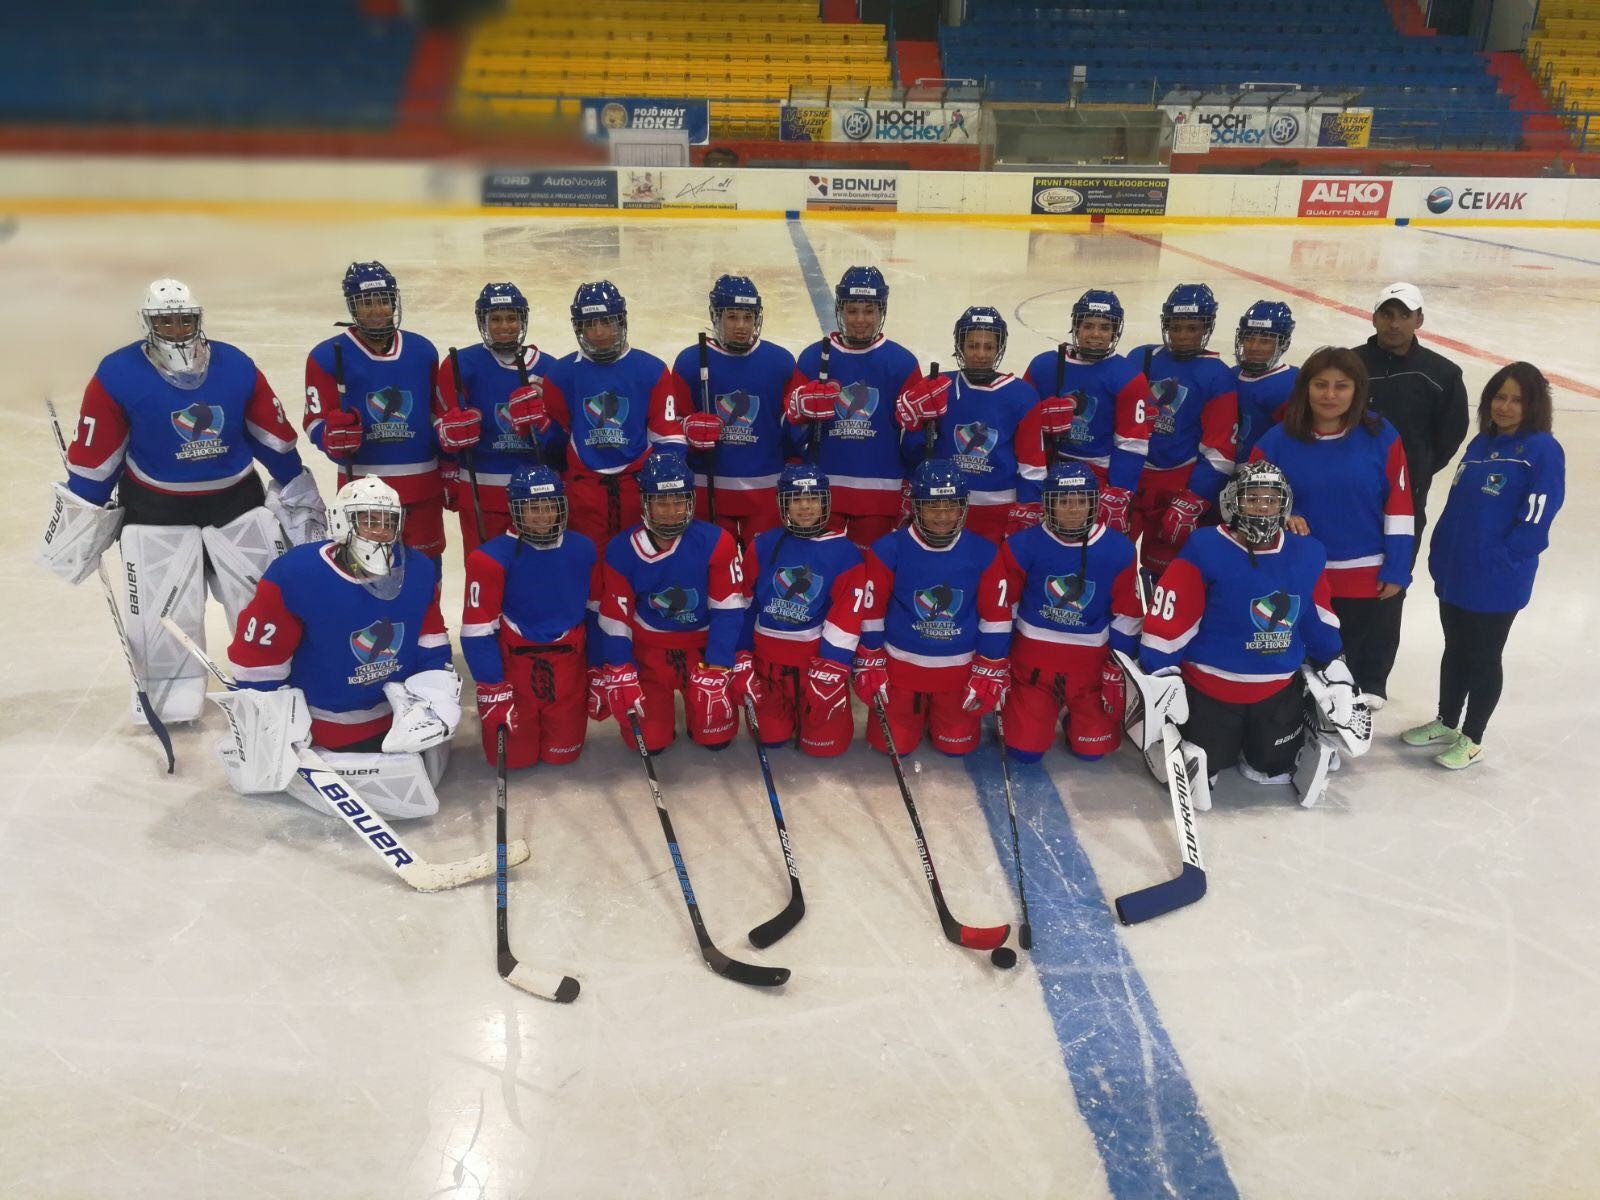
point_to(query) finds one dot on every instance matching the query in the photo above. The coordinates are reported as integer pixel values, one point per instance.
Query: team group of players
(739, 525)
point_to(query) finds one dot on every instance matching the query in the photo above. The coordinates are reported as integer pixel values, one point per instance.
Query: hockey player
(524, 627)
(938, 632)
(809, 593)
(479, 426)
(1098, 410)
(855, 390)
(1075, 583)
(990, 430)
(671, 611)
(1197, 409)
(174, 425)
(618, 405)
(1264, 381)
(344, 643)
(1239, 610)
(369, 403)
(737, 428)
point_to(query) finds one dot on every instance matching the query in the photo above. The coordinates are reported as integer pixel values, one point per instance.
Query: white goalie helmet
(365, 519)
(173, 338)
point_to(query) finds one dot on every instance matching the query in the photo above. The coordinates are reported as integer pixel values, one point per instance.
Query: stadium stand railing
(1563, 52)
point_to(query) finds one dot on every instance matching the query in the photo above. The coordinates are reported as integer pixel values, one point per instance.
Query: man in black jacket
(1422, 395)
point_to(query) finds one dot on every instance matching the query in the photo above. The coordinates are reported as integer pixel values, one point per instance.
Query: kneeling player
(523, 630)
(671, 610)
(939, 626)
(804, 622)
(344, 643)
(1076, 586)
(1238, 611)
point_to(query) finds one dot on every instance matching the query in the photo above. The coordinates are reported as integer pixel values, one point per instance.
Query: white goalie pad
(1313, 763)
(398, 787)
(77, 534)
(427, 709)
(1335, 711)
(1150, 700)
(299, 509)
(162, 571)
(265, 727)
(238, 553)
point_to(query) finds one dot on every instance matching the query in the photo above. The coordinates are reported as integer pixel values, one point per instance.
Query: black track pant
(1470, 673)
(1370, 630)
(1265, 734)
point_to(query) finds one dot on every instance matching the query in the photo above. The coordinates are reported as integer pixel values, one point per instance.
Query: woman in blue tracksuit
(1496, 522)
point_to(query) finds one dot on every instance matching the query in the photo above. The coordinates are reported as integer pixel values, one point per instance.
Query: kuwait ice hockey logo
(738, 408)
(1169, 396)
(857, 402)
(799, 584)
(389, 404)
(976, 439)
(1494, 484)
(198, 423)
(940, 600)
(675, 604)
(378, 641)
(1072, 592)
(606, 410)
(1083, 410)
(1280, 610)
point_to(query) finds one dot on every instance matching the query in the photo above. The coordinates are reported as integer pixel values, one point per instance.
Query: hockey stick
(1061, 382)
(523, 381)
(705, 406)
(765, 934)
(470, 458)
(973, 937)
(157, 726)
(730, 968)
(374, 830)
(1025, 931)
(563, 989)
(1190, 883)
(930, 427)
(814, 438)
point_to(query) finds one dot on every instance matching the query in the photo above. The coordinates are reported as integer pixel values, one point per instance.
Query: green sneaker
(1462, 754)
(1426, 735)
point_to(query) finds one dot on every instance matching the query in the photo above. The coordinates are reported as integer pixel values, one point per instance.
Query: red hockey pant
(548, 683)
(601, 506)
(1040, 696)
(663, 673)
(1157, 489)
(951, 729)
(784, 701)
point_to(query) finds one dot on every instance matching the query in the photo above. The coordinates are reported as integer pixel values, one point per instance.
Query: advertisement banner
(551, 189)
(1278, 127)
(1347, 128)
(677, 187)
(909, 123)
(603, 115)
(852, 193)
(797, 123)
(1491, 199)
(1099, 195)
(1345, 197)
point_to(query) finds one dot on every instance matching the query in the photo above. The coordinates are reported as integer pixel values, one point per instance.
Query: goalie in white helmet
(164, 453)
(348, 633)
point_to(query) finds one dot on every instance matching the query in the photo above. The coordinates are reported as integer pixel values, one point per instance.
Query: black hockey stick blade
(1025, 936)
(743, 972)
(563, 989)
(768, 932)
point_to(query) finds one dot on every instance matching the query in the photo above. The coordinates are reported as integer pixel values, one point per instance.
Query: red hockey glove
(623, 691)
(924, 400)
(1055, 415)
(458, 429)
(496, 706)
(701, 430)
(987, 685)
(708, 697)
(871, 674)
(827, 688)
(1114, 505)
(1113, 689)
(598, 701)
(814, 401)
(342, 433)
(744, 681)
(1023, 516)
(450, 477)
(1183, 512)
(526, 409)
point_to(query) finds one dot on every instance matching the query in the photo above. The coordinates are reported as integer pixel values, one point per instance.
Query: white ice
(1389, 996)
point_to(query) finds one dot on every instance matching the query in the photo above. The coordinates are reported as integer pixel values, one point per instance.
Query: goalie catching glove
(427, 709)
(1342, 718)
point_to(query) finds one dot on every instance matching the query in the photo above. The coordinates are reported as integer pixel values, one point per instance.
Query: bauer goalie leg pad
(1150, 701)
(396, 786)
(1312, 766)
(238, 553)
(265, 727)
(162, 567)
(77, 535)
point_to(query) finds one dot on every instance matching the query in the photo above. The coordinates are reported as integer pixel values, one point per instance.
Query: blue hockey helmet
(856, 284)
(538, 503)
(798, 480)
(365, 282)
(1097, 302)
(735, 293)
(594, 306)
(1264, 318)
(936, 484)
(501, 297)
(985, 319)
(666, 477)
(1068, 478)
(1188, 301)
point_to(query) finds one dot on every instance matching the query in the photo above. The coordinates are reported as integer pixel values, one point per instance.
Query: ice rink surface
(1392, 995)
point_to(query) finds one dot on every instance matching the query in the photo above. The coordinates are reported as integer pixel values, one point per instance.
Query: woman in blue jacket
(1505, 494)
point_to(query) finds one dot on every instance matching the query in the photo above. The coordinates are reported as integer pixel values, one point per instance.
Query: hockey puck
(1003, 957)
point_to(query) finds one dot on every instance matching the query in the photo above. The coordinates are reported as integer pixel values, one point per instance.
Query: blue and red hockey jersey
(992, 434)
(747, 392)
(394, 395)
(183, 441)
(688, 595)
(615, 412)
(1071, 594)
(1197, 411)
(488, 383)
(519, 594)
(808, 597)
(1115, 413)
(1261, 402)
(1241, 624)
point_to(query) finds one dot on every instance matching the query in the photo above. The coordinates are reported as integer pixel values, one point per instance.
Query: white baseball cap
(1407, 294)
